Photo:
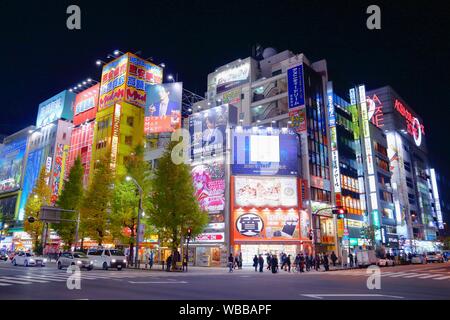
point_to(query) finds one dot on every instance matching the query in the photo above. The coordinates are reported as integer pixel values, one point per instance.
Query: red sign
(211, 237)
(375, 111)
(413, 125)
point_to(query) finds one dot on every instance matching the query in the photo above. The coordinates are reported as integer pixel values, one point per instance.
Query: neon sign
(375, 110)
(413, 125)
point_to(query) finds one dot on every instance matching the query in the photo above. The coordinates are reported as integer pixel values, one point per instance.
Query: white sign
(210, 237)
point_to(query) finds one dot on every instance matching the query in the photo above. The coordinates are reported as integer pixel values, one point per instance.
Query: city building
(417, 220)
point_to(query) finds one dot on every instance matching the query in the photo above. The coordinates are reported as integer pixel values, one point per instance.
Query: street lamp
(140, 212)
(170, 77)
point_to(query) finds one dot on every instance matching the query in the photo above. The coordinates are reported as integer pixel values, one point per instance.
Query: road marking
(14, 281)
(321, 296)
(400, 274)
(414, 275)
(27, 278)
(157, 281)
(430, 276)
(4, 284)
(442, 278)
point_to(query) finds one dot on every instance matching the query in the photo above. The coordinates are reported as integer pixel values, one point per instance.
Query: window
(407, 166)
(129, 140)
(130, 121)
(64, 136)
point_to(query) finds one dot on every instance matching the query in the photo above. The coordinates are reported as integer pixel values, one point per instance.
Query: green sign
(353, 241)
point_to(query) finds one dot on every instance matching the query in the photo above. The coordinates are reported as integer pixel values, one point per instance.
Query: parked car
(4, 257)
(434, 257)
(418, 259)
(79, 259)
(28, 259)
(107, 258)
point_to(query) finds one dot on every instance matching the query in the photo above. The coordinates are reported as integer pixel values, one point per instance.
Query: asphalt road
(430, 281)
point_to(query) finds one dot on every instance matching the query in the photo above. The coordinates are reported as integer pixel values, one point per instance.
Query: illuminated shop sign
(375, 110)
(437, 202)
(11, 164)
(86, 99)
(296, 89)
(209, 185)
(115, 137)
(210, 237)
(334, 147)
(413, 125)
(232, 77)
(57, 107)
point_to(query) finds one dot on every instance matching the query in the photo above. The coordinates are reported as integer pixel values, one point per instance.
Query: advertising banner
(57, 107)
(298, 120)
(265, 152)
(209, 184)
(112, 88)
(163, 108)
(210, 237)
(85, 107)
(265, 192)
(266, 225)
(11, 164)
(232, 96)
(296, 89)
(232, 77)
(57, 173)
(208, 130)
(141, 75)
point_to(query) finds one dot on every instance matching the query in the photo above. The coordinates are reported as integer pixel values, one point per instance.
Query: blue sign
(296, 90)
(57, 107)
(264, 152)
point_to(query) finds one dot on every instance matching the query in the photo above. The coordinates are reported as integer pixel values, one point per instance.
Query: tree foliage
(369, 232)
(40, 196)
(96, 203)
(173, 207)
(70, 199)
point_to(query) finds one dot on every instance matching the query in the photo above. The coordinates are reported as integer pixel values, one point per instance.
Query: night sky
(41, 57)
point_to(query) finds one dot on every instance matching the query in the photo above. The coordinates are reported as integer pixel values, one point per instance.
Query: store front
(250, 250)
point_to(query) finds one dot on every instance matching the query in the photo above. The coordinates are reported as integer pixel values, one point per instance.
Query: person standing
(230, 262)
(274, 264)
(255, 262)
(308, 264)
(169, 263)
(150, 260)
(356, 260)
(240, 260)
(302, 262)
(297, 262)
(261, 263)
(350, 257)
(326, 262)
(288, 262)
(317, 262)
(269, 261)
(236, 261)
(333, 258)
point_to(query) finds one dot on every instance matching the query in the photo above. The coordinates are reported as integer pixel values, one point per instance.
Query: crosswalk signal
(189, 232)
(340, 212)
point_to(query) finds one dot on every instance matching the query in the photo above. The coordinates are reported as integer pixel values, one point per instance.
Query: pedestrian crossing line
(28, 278)
(4, 284)
(442, 278)
(430, 276)
(414, 275)
(14, 281)
(401, 274)
(53, 278)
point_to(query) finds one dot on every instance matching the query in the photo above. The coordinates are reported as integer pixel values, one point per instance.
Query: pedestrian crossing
(429, 274)
(39, 278)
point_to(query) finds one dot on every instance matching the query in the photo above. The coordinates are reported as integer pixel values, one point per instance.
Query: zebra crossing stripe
(14, 281)
(442, 278)
(52, 278)
(28, 278)
(400, 274)
(430, 276)
(414, 275)
(4, 284)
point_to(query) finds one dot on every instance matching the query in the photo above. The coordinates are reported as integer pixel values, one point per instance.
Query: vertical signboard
(296, 89)
(298, 120)
(115, 136)
(334, 147)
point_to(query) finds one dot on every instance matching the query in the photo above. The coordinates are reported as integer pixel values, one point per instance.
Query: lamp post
(138, 229)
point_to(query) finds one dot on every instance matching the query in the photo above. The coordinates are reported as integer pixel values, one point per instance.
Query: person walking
(288, 262)
(317, 262)
(356, 260)
(302, 262)
(236, 261)
(350, 257)
(326, 262)
(261, 263)
(255, 262)
(333, 258)
(240, 260)
(274, 264)
(269, 261)
(150, 260)
(311, 261)
(307, 262)
(297, 262)
(230, 262)
(169, 263)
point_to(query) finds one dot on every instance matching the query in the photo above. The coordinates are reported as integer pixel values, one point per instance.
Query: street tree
(369, 233)
(70, 199)
(40, 196)
(125, 203)
(96, 203)
(173, 206)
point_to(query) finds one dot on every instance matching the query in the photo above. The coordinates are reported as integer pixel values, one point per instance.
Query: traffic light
(31, 219)
(189, 231)
(340, 212)
(310, 234)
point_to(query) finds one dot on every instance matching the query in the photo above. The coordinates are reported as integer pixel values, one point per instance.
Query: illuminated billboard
(209, 184)
(207, 130)
(126, 79)
(233, 76)
(264, 152)
(163, 107)
(296, 88)
(266, 225)
(265, 192)
(85, 105)
(11, 164)
(57, 107)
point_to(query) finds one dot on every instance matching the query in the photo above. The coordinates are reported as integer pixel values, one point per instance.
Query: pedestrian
(274, 264)
(297, 262)
(355, 257)
(255, 262)
(185, 262)
(147, 258)
(236, 261)
(288, 262)
(317, 262)
(307, 262)
(409, 257)
(311, 261)
(150, 260)
(302, 262)
(333, 258)
(325, 262)
(261, 263)
(240, 260)
(230, 262)
(350, 256)
(169, 263)
(269, 261)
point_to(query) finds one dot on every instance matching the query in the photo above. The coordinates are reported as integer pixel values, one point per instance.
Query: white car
(74, 259)
(434, 257)
(418, 259)
(28, 259)
(107, 258)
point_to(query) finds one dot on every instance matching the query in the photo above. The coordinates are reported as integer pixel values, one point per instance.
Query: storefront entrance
(250, 250)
